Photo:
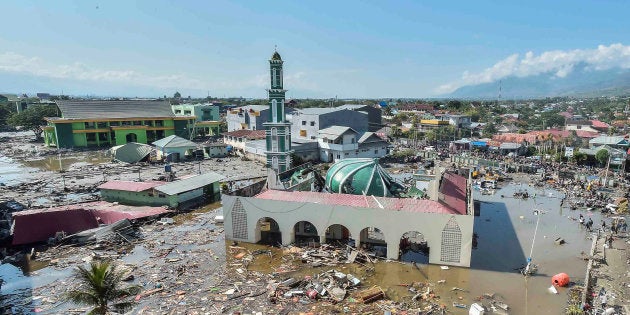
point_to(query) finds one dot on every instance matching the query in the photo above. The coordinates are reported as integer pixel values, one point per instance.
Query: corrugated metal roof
(190, 183)
(335, 130)
(359, 201)
(38, 225)
(73, 109)
(131, 152)
(174, 142)
(129, 185)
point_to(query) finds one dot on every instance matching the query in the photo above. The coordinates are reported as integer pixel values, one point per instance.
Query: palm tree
(100, 285)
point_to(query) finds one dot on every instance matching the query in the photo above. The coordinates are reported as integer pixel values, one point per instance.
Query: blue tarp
(479, 143)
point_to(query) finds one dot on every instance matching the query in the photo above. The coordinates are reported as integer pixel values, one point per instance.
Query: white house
(337, 143)
(174, 148)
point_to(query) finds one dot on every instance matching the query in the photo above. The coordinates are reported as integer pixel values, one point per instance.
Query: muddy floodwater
(505, 230)
(57, 163)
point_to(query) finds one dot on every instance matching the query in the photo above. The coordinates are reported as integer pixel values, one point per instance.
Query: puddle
(57, 163)
(12, 172)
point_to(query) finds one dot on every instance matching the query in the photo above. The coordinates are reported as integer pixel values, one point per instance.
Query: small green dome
(276, 56)
(361, 177)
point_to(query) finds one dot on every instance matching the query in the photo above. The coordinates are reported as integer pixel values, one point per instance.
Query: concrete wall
(393, 224)
(355, 120)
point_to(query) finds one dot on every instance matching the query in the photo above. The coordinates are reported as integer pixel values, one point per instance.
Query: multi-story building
(85, 123)
(375, 115)
(207, 117)
(307, 122)
(339, 142)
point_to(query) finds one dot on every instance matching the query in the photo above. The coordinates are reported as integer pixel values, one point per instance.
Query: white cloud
(559, 62)
(16, 63)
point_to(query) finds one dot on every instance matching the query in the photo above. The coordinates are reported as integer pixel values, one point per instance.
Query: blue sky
(362, 49)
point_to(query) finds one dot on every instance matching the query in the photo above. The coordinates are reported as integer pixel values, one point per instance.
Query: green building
(277, 128)
(207, 121)
(92, 123)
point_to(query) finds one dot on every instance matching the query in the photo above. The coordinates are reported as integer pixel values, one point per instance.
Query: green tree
(100, 286)
(33, 118)
(602, 156)
(489, 130)
(6, 111)
(177, 95)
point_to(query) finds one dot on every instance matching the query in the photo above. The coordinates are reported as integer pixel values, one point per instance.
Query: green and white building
(207, 117)
(93, 123)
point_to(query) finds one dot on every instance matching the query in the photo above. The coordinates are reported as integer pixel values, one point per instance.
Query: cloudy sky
(331, 48)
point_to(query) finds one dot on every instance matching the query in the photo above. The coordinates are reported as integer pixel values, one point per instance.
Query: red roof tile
(599, 124)
(360, 201)
(129, 185)
(453, 192)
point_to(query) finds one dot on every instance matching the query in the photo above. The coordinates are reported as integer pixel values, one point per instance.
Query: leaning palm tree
(100, 285)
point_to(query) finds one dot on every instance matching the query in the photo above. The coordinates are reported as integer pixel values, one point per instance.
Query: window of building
(274, 110)
(312, 123)
(89, 125)
(187, 112)
(376, 151)
(274, 162)
(178, 111)
(346, 154)
(274, 139)
(312, 137)
(273, 77)
(302, 133)
(338, 156)
(114, 123)
(352, 140)
(159, 123)
(304, 123)
(162, 195)
(102, 136)
(137, 123)
(148, 122)
(90, 136)
(102, 124)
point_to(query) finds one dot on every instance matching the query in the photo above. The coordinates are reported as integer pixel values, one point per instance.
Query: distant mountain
(580, 82)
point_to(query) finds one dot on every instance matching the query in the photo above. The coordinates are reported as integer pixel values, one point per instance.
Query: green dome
(276, 56)
(361, 177)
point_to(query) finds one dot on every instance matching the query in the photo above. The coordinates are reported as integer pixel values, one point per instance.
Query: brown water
(57, 163)
(505, 232)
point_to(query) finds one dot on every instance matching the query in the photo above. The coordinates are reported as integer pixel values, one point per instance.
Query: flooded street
(505, 232)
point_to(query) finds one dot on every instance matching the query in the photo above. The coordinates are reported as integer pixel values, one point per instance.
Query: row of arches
(413, 246)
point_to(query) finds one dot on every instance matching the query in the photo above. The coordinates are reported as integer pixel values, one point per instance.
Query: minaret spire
(278, 129)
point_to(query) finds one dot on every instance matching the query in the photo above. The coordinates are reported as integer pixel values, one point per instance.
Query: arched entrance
(305, 232)
(268, 232)
(373, 240)
(339, 235)
(131, 137)
(414, 248)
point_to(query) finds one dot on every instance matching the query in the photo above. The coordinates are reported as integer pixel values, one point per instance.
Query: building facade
(307, 122)
(207, 117)
(89, 123)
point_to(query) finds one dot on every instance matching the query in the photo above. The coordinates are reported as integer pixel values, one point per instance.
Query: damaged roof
(190, 183)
